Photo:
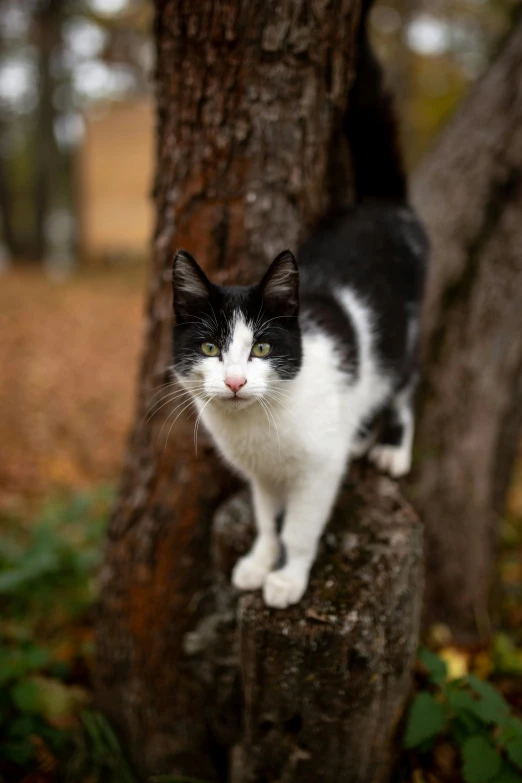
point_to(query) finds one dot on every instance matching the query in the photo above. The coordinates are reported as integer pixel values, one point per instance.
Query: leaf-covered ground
(68, 359)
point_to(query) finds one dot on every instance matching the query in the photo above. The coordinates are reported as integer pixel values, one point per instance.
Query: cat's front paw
(395, 460)
(249, 573)
(283, 588)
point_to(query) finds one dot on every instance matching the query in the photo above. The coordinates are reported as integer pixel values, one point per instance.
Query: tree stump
(323, 684)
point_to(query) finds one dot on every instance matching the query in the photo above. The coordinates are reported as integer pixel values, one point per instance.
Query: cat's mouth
(235, 402)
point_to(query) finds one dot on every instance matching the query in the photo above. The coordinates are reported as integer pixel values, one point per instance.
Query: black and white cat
(315, 365)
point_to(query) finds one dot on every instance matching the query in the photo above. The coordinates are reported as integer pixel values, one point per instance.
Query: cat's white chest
(257, 443)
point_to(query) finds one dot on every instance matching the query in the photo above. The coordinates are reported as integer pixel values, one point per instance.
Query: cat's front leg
(308, 510)
(250, 571)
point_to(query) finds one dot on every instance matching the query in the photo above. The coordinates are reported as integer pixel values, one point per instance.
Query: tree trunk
(47, 34)
(323, 684)
(7, 232)
(249, 96)
(469, 194)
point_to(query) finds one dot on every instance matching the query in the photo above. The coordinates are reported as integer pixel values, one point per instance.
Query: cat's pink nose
(235, 383)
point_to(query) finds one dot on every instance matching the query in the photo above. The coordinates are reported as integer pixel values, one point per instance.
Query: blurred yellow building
(115, 182)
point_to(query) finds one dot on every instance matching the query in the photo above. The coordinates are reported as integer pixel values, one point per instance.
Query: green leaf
(460, 701)
(23, 726)
(461, 730)
(8, 665)
(25, 696)
(35, 566)
(507, 774)
(437, 669)
(35, 658)
(491, 707)
(57, 700)
(56, 739)
(506, 655)
(510, 728)
(20, 752)
(49, 698)
(108, 734)
(92, 729)
(481, 761)
(425, 720)
(468, 724)
(15, 663)
(514, 751)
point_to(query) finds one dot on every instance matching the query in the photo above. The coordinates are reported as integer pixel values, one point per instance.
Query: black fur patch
(378, 250)
(392, 432)
(320, 310)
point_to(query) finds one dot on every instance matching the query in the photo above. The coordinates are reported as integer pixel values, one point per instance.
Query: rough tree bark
(250, 94)
(469, 193)
(323, 684)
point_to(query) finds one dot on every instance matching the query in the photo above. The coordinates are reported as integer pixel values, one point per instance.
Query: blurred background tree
(60, 59)
(66, 64)
(433, 51)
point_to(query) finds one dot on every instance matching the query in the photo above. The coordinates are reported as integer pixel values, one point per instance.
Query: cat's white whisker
(161, 385)
(186, 406)
(185, 394)
(196, 426)
(168, 385)
(214, 316)
(264, 324)
(268, 407)
(170, 398)
(281, 392)
(258, 399)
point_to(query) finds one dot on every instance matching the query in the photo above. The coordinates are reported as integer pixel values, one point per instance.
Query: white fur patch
(395, 460)
(237, 355)
(373, 385)
(285, 587)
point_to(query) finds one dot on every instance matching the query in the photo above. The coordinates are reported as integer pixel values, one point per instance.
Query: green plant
(47, 587)
(97, 753)
(474, 716)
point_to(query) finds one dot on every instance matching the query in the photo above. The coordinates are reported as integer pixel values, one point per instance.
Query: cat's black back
(378, 248)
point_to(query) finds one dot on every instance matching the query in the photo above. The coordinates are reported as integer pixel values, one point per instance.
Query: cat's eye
(210, 349)
(261, 350)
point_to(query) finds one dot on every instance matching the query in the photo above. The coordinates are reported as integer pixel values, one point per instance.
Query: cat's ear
(280, 285)
(191, 286)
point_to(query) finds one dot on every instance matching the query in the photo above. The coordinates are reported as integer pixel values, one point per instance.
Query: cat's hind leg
(365, 437)
(393, 450)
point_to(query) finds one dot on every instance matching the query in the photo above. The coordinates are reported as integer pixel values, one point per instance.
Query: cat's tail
(371, 128)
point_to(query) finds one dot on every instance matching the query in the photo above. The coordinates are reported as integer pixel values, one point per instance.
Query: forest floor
(69, 355)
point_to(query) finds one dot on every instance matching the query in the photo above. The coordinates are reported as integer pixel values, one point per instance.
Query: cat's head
(234, 345)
